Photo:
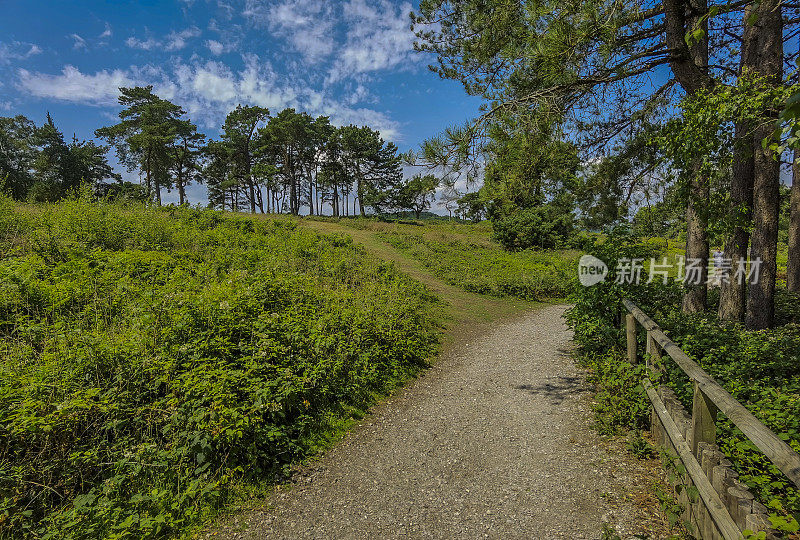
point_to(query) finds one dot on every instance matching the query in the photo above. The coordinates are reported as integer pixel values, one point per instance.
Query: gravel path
(492, 442)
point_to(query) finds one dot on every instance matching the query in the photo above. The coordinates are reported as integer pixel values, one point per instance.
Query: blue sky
(351, 60)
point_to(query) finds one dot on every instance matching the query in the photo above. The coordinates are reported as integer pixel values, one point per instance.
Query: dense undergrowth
(156, 363)
(761, 369)
(466, 258)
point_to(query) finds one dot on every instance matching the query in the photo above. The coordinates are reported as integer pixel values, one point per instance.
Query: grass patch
(158, 365)
(465, 256)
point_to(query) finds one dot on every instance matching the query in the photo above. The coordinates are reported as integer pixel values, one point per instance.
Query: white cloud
(308, 25)
(174, 41)
(79, 42)
(5, 105)
(359, 95)
(177, 40)
(17, 50)
(378, 38)
(102, 88)
(207, 91)
(215, 47)
(146, 45)
(107, 33)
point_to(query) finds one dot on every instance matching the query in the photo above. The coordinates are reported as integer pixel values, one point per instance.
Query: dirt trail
(493, 441)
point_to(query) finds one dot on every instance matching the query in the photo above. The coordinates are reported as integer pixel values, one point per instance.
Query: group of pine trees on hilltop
(287, 163)
(38, 164)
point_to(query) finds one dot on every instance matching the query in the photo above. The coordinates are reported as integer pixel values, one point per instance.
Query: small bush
(543, 227)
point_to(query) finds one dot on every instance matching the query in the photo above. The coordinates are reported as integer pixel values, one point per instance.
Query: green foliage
(619, 402)
(17, 152)
(545, 226)
(663, 219)
(702, 143)
(145, 135)
(416, 193)
(639, 446)
(37, 164)
(485, 268)
(472, 206)
(153, 361)
(761, 369)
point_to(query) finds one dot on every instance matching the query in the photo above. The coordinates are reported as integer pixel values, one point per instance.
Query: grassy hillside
(464, 255)
(155, 363)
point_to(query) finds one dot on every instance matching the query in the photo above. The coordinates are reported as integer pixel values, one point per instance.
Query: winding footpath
(494, 441)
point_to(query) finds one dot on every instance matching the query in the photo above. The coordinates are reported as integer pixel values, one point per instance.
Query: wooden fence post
(653, 351)
(704, 418)
(630, 331)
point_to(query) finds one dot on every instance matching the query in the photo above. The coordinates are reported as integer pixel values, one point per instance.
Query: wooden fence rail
(724, 507)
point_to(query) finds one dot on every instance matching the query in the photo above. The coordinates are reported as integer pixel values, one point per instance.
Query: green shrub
(537, 227)
(761, 369)
(153, 361)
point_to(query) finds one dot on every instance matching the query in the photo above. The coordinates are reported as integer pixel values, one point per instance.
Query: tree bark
(793, 268)
(696, 295)
(766, 181)
(733, 292)
(690, 67)
(181, 191)
(360, 195)
(250, 185)
(310, 195)
(158, 191)
(732, 299)
(335, 201)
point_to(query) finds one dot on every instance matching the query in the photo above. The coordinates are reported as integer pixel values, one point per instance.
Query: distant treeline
(261, 163)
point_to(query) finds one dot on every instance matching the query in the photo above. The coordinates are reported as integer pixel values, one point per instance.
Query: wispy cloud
(379, 38)
(17, 50)
(78, 42)
(145, 45)
(307, 25)
(174, 41)
(356, 36)
(217, 48)
(107, 33)
(177, 40)
(207, 90)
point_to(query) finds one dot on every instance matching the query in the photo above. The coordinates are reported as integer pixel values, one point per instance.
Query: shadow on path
(557, 390)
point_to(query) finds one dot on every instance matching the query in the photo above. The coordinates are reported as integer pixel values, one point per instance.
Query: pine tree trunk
(764, 248)
(690, 67)
(335, 201)
(148, 177)
(310, 196)
(793, 268)
(766, 182)
(696, 295)
(360, 200)
(733, 292)
(732, 299)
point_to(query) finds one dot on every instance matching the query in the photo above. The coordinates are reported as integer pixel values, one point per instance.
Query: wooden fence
(719, 506)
